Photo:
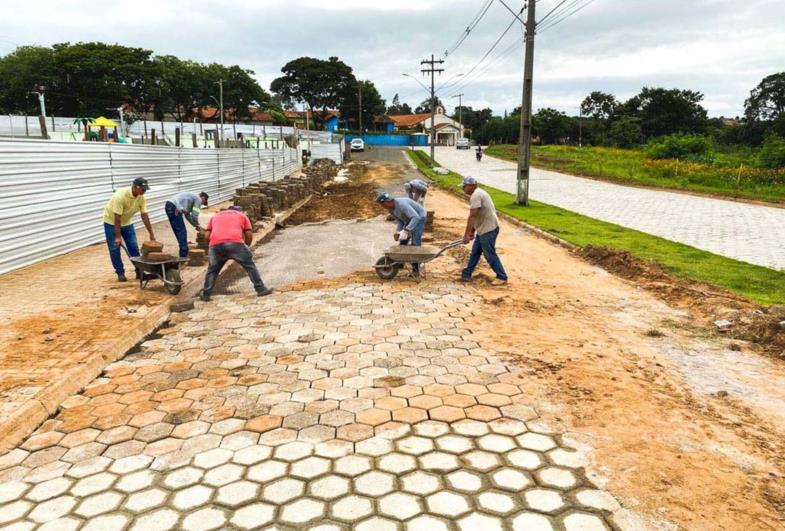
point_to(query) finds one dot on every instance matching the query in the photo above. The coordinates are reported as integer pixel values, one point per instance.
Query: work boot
(204, 296)
(498, 282)
(121, 277)
(264, 292)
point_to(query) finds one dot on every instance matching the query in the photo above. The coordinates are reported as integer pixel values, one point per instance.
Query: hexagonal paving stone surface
(361, 406)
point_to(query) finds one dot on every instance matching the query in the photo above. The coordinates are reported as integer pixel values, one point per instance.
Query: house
(446, 130)
(333, 121)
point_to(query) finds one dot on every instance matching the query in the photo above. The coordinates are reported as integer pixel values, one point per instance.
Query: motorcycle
(478, 154)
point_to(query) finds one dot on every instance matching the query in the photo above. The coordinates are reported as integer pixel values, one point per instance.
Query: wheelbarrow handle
(449, 246)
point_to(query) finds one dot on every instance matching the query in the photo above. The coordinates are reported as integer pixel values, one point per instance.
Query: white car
(357, 144)
(462, 143)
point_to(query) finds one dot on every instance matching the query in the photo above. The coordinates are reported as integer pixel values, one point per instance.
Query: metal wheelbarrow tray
(399, 255)
(167, 271)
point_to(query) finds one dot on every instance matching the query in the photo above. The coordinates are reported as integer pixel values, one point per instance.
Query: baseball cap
(141, 182)
(384, 196)
(469, 180)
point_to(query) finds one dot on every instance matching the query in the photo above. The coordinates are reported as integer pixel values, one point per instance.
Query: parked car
(462, 143)
(357, 144)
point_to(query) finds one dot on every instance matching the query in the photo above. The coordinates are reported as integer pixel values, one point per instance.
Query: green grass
(763, 285)
(732, 174)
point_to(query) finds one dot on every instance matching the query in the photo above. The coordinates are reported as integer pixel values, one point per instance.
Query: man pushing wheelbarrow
(410, 218)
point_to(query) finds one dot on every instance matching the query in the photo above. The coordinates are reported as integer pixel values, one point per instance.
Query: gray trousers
(223, 252)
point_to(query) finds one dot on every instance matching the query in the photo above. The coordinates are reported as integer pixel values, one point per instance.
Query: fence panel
(52, 194)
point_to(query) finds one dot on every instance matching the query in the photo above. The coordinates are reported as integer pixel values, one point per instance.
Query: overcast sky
(722, 48)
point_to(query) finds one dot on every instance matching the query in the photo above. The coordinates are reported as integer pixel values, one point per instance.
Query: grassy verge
(763, 285)
(729, 177)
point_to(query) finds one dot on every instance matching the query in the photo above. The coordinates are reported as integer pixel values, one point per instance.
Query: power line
(577, 7)
(473, 24)
(543, 19)
(515, 45)
(490, 50)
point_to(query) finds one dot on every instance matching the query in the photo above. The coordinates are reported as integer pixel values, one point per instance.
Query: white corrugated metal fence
(52, 194)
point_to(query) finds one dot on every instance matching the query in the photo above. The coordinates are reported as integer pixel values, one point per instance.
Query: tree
(425, 106)
(472, 119)
(321, 84)
(551, 126)
(20, 71)
(626, 132)
(398, 108)
(665, 112)
(767, 100)
(373, 104)
(599, 105)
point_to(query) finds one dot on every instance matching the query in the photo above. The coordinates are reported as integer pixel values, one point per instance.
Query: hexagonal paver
(374, 483)
(527, 521)
(237, 493)
(98, 504)
(557, 477)
(48, 511)
(352, 465)
(191, 497)
(213, 458)
(147, 499)
(376, 523)
(543, 500)
(496, 502)
(204, 519)
(329, 487)
(536, 441)
(465, 481)
(252, 454)
(447, 503)
(440, 461)
(455, 444)
(496, 443)
(283, 490)
(583, 522)
(399, 505)
(524, 459)
(352, 508)
(253, 516)
(415, 445)
(447, 413)
(422, 483)
(302, 510)
(471, 428)
(223, 475)
(480, 521)
(267, 470)
(397, 463)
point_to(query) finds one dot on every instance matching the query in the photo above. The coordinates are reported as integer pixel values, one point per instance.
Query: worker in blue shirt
(416, 190)
(410, 221)
(186, 205)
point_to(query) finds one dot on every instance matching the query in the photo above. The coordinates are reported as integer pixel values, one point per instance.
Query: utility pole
(524, 142)
(221, 105)
(580, 127)
(432, 62)
(39, 91)
(460, 110)
(360, 98)
(122, 123)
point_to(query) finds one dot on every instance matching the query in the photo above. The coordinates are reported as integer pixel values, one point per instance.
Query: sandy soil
(685, 428)
(666, 445)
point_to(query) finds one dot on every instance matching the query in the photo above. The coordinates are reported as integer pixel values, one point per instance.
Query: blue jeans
(485, 245)
(129, 237)
(415, 238)
(217, 257)
(178, 227)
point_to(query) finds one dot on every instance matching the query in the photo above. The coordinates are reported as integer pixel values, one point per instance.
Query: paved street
(743, 231)
(367, 405)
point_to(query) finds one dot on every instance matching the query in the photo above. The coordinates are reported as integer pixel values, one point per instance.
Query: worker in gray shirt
(410, 221)
(416, 190)
(482, 226)
(186, 205)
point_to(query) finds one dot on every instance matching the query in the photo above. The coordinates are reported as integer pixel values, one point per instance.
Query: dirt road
(686, 429)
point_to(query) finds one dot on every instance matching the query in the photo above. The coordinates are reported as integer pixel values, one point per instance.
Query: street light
(418, 81)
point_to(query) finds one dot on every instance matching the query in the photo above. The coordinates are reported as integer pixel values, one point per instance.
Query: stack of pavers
(261, 200)
(153, 251)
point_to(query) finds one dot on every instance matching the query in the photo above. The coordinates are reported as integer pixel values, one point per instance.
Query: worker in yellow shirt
(118, 226)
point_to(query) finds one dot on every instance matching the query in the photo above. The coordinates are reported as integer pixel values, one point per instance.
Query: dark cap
(204, 194)
(141, 182)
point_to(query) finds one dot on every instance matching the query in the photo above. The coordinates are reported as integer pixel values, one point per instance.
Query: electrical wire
(485, 56)
(576, 8)
(543, 19)
(473, 24)
(499, 59)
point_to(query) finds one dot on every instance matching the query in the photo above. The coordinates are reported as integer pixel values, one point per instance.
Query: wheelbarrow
(168, 271)
(399, 255)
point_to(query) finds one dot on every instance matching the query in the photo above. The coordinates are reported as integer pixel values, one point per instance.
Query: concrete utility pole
(432, 70)
(221, 105)
(460, 110)
(524, 142)
(120, 112)
(360, 98)
(39, 91)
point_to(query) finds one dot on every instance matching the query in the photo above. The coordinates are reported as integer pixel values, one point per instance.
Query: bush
(772, 154)
(694, 148)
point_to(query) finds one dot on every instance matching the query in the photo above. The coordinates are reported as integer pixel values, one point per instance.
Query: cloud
(714, 46)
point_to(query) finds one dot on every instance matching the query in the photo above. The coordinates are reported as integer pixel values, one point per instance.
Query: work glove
(403, 235)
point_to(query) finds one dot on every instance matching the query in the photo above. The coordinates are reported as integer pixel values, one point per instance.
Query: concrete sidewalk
(746, 232)
(64, 319)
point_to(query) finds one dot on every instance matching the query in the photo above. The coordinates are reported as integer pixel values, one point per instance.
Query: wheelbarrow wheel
(386, 268)
(173, 281)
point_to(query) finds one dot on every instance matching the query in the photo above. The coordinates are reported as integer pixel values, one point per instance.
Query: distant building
(446, 129)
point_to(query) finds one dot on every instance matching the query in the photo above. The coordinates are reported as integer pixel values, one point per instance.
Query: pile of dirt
(764, 327)
(761, 326)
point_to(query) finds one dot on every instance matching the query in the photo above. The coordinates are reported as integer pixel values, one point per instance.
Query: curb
(26, 419)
